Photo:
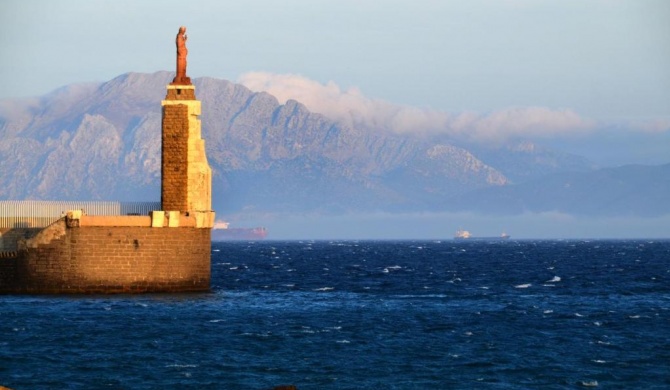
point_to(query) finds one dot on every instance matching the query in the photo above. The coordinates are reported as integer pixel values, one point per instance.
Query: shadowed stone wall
(174, 178)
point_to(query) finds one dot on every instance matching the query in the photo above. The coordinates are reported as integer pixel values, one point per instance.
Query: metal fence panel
(38, 213)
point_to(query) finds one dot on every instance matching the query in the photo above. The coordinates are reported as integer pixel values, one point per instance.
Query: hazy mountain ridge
(530, 161)
(631, 190)
(102, 141)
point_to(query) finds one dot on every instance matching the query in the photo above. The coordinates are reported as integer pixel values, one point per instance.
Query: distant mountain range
(102, 142)
(632, 190)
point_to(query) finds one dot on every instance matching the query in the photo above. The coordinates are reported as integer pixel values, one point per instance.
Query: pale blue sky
(607, 60)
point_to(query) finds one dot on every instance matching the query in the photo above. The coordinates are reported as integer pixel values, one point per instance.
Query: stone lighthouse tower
(186, 184)
(168, 250)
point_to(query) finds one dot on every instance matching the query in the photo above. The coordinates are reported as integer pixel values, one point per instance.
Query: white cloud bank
(352, 107)
(660, 125)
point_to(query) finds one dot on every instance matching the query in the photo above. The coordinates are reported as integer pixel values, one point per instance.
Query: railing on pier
(38, 214)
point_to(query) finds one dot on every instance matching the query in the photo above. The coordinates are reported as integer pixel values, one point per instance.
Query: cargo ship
(465, 235)
(222, 232)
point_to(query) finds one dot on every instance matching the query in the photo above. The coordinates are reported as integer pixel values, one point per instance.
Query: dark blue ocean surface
(365, 315)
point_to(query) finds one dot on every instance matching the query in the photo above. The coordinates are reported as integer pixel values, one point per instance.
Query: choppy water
(365, 315)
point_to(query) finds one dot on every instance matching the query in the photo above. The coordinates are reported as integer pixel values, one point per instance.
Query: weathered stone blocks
(99, 259)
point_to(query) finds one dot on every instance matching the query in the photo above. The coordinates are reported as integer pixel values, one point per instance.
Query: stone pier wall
(109, 259)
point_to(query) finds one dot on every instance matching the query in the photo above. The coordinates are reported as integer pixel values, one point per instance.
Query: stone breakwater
(85, 256)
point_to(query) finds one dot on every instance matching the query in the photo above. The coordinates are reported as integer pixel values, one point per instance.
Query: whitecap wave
(324, 289)
(256, 334)
(405, 296)
(555, 279)
(526, 285)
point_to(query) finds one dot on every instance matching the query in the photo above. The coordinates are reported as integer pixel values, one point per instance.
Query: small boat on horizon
(222, 232)
(466, 235)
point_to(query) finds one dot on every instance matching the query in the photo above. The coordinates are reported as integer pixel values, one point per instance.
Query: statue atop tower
(181, 78)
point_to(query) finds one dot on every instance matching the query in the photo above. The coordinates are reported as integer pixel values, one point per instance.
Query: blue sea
(365, 315)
